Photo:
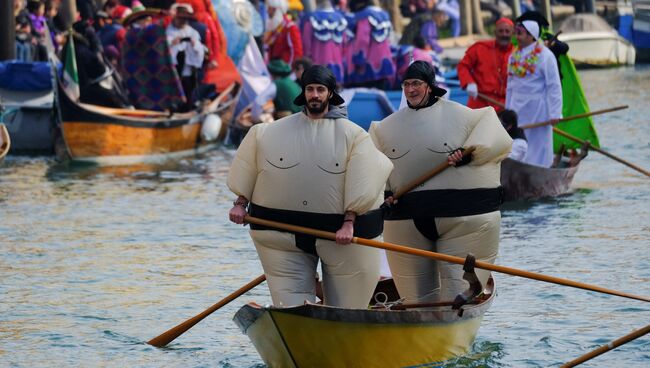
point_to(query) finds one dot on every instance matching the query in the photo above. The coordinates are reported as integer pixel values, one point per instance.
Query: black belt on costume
(446, 203)
(370, 225)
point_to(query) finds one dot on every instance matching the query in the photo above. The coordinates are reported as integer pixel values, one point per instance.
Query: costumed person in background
(519, 143)
(215, 38)
(534, 91)
(282, 39)
(300, 65)
(370, 59)
(187, 51)
(315, 169)
(457, 211)
(323, 38)
(484, 68)
(286, 89)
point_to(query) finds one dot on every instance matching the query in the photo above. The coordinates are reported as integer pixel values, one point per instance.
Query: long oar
(573, 117)
(576, 139)
(171, 334)
(428, 175)
(605, 348)
(442, 257)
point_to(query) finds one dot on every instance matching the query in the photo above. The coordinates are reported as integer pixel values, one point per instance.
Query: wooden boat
(593, 43)
(121, 136)
(5, 142)
(522, 181)
(312, 335)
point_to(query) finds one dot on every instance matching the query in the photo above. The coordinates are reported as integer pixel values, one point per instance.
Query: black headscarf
(318, 74)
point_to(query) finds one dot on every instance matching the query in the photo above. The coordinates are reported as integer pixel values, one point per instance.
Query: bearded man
(484, 68)
(282, 38)
(316, 169)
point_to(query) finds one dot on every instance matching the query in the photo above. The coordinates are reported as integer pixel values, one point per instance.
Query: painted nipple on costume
(393, 154)
(282, 164)
(336, 166)
(446, 151)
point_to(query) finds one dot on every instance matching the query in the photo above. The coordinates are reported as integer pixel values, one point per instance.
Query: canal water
(96, 261)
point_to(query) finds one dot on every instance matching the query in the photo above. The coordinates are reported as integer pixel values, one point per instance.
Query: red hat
(507, 21)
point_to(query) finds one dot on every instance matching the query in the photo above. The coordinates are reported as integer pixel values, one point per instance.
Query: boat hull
(315, 335)
(599, 49)
(115, 136)
(522, 181)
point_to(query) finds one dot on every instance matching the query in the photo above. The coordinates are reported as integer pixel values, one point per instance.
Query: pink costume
(323, 38)
(369, 51)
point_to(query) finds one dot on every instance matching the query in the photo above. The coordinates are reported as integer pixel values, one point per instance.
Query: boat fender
(475, 287)
(211, 127)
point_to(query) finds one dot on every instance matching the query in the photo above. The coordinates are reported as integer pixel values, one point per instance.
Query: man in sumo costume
(457, 211)
(316, 169)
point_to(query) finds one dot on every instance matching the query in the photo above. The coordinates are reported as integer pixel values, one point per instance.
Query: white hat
(283, 5)
(532, 27)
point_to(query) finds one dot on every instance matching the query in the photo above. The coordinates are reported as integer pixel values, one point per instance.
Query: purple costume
(323, 39)
(369, 51)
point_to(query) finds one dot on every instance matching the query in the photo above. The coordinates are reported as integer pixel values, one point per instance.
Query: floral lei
(521, 67)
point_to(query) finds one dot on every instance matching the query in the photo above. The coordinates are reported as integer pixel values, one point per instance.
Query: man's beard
(318, 109)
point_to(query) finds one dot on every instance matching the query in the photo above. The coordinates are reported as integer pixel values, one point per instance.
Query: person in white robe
(457, 211)
(534, 91)
(185, 40)
(316, 169)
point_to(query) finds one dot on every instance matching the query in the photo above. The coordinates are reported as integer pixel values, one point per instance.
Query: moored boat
(592, 42)
(115, 136)
(316, 335)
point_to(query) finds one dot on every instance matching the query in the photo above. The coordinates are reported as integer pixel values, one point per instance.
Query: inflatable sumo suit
(457, 211)
(309, 173)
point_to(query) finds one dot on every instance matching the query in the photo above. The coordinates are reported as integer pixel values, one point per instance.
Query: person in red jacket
(484, 68)
(282, 39)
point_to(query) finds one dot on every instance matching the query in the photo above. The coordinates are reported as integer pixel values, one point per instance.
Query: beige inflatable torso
(299, 164)
(419, 140)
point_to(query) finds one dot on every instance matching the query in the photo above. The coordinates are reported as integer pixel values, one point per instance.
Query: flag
(70, 76)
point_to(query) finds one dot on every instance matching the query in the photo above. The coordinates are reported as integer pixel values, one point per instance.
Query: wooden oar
(428, 175)
(576, 139)
(171, 334)
(441, 257)
(574, 117)
(605, 348)
(591, 147)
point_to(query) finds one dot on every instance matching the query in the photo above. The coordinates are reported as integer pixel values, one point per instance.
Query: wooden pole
(171, 334)
(68, 13)
(547, 12)
(574, 117)
(442, 257)
(477, 17)
(615, 158)
(516, 8)
(7, 30)
(605, 348)
(466, 26)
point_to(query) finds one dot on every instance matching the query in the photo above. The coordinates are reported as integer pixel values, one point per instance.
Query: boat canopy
(585, 22)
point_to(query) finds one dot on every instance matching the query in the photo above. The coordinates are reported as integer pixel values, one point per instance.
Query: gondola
(385, 335)
(522, 181)
(115, 136)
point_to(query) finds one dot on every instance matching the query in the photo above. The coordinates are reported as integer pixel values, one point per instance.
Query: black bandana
(318, 74)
